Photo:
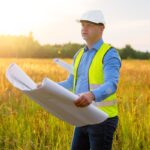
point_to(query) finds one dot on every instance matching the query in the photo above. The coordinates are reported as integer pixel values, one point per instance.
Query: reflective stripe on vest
(96, 79)
(105, 103)
(94, 86)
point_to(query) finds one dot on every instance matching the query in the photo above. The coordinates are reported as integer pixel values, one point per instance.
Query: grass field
(26, 126)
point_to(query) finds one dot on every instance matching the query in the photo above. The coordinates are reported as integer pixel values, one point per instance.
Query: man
(96, 75)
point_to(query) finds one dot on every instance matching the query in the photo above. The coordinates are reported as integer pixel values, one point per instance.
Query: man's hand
(84, 99)
(39, 85)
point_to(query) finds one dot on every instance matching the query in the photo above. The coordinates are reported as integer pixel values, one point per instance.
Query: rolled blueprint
(55, 99)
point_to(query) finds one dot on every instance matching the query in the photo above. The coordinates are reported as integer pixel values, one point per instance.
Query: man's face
(91, 31)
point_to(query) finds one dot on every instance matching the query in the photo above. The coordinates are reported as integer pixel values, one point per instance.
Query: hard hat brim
(97, 23)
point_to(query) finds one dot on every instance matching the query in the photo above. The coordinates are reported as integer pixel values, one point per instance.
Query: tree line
(27, 47)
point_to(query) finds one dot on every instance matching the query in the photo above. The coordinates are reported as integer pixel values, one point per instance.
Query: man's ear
(101, 28)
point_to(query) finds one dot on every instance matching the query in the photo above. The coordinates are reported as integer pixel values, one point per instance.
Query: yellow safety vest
(96, 79)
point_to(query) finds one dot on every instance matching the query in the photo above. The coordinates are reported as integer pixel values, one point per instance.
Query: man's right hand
(39, 85)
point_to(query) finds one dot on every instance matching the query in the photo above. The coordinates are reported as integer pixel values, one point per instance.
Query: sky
(54, 21)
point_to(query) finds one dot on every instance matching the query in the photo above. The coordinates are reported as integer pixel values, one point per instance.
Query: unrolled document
(55, 99)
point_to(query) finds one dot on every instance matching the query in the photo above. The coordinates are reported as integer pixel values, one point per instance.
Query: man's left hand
(84, 99)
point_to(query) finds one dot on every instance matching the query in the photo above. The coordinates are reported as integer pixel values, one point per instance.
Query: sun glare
(21, 16)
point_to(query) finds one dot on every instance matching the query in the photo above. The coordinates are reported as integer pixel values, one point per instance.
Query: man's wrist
(92, 96)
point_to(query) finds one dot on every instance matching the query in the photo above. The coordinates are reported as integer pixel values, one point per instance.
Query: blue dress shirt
(111, 67)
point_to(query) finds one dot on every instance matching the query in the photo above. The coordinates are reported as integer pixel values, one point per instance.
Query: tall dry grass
(26, 126)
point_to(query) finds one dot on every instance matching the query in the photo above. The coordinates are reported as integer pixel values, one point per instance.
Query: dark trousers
(95, 137)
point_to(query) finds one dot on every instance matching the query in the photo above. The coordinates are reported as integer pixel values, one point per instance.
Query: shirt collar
(96, 46)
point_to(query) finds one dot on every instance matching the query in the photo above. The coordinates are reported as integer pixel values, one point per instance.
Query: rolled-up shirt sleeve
(111, 68)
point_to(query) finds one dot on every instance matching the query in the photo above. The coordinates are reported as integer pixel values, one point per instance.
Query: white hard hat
(95, 16)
